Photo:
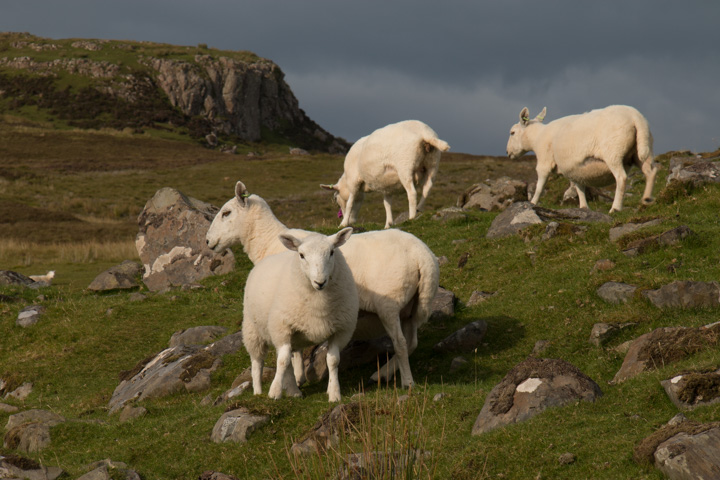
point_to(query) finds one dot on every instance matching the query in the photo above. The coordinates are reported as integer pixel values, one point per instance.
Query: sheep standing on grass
(396, 274)
(401, 154)
(592, 149)
(298, 299)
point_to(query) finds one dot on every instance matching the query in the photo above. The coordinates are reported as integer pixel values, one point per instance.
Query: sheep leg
(284, 353)
(620, 175)
(349, 213)
(333, 361)
(649, 169)
(582, 199)
(387, 201)
(542, 178)
(426, 188)
(400, 359)
(256, 370)
(298, 367)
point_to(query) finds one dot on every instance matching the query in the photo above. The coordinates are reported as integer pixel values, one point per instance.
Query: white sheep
(592, 149)
(396, 274)
(47, 278)
(297, 299)
(401, 154)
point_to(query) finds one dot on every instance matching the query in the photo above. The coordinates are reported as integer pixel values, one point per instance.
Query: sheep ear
(241, 193)
(542, 114)
(342, 236)
(332, 188)
(290, 242)
(524, 116)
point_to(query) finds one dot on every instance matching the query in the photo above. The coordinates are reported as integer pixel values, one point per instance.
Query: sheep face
(229, 222)
(316, 254)
(518, 143)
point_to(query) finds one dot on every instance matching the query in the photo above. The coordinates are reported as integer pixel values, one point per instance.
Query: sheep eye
(225, 213)
(302, 256)
(331, 252)
(512, 133)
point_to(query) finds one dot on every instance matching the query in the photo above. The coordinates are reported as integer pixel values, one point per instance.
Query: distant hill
(196, 91)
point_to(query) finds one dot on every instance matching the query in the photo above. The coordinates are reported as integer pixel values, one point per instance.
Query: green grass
(545, 291)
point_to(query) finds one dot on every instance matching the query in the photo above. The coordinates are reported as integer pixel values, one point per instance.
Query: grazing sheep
(401, 154)
(396, 273)
(297, 299)
(592, 149)
(47, 278)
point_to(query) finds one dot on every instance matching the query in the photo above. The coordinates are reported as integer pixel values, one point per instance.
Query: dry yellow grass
(15, 253)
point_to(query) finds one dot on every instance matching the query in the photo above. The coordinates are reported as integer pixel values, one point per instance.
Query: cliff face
(140, 85)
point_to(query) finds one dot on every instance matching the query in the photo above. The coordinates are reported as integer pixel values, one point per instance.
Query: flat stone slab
(685, 294)
(621, 230)
(531, 387)
(197, 335)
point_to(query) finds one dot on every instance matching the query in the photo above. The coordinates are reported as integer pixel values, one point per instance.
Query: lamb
(591, 149)
(396, 274)
(401, 154)
(47, 278)
(297, 299)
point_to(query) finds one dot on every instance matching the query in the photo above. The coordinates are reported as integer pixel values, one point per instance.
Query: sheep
(396, 274)
(297, 299)
(401, 154)
(47, 278)
(591, 149)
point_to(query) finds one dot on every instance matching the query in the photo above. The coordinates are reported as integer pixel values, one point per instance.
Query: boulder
(521, 215)
(119, 277)
(531, 387)
(28, 437)
(684, 450)
(671, 237)
(183, 368)
(44, 417)
(685, 294)
(621, 230)
(493, 195)
(616, 292)
(29, 316)
(197, 335)
(664, 346)
(236, 425)
(696, 171)
(8, 277)
(17, 467)
(688, 390)
(108, 470)
(467, 339)
(325, 434)
(443, 305)
(171, 241)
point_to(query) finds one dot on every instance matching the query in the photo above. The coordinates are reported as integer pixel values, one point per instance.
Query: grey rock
(29, 316)
(356, 353)
(554, 229)
(567, 458)
(44, 417)
(22, 392)
(136, 297)
(621, 230)
(326, 432)
(671, 237)
(16, 467)
(119, 277)
(171, 241)
(694, 170)
(439, 396)
(531, 387)
(212, 475)
(443, 305)
(521, 215)
(443, 260)
(616, 292)
(688, 456)
(183, 368)
(131, 413)
(27, 437)
(448, 214)
(457, 363)
(197, 335)
(689, 390)
(8, 277)
(298, 151)
(493, 195)
(108, 469)
(5, 408)
(664, 346)
(602, 333)
(685, 294)
(237, 425)
(479, 296)
(466, 339)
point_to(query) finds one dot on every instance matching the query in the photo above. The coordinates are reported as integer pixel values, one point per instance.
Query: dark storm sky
(465, 68)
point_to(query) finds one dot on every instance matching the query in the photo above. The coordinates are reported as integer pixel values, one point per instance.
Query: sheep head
(316, 254)
(340, 194)
(518, 144)
(225, 228)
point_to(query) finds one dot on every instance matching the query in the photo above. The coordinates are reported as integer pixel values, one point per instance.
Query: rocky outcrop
(493, 195)
(521, 215)
(171, 241)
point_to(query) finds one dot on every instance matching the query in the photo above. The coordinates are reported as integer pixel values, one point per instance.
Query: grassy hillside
(69, 199)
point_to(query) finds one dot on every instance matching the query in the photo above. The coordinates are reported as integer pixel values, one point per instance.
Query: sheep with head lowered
(401, 154)
(297, 299)
(591, 149)
(396, 274)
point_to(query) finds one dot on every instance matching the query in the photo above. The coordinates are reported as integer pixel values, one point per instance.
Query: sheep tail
(427, 289)
(434, 142)
(644, 140)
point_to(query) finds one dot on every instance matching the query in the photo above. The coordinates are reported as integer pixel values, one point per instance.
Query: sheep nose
(319, 285)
